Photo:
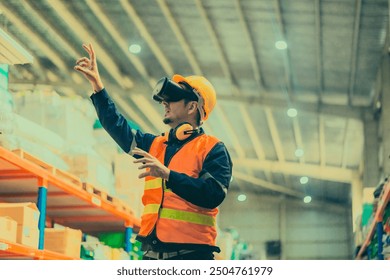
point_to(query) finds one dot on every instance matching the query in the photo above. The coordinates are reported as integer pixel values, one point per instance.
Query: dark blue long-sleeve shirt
(206, 191)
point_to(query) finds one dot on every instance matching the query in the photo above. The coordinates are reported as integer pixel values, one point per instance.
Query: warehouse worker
(187, 173)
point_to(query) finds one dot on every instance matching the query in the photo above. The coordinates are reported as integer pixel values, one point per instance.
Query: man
(187, 173)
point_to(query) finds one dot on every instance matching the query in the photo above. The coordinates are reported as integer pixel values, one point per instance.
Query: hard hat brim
(179, 78)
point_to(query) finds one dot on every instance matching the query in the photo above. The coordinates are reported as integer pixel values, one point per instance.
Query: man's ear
(192, 106)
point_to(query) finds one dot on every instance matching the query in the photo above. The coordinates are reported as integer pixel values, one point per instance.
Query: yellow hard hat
(205, 90)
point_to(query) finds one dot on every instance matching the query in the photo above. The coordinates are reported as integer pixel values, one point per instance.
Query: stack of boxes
(128, 186)
(25, 216)
(85, 163)
(7, 139)
(371, 198)
(63, 240)
(70, 118)
(59, 131)
(364, 220)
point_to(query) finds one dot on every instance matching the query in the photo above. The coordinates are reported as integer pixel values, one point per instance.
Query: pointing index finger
(92, 52)
(85, 47)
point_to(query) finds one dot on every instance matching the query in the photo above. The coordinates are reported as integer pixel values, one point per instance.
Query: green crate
(136, 252)
(86, 254)
(367, 213)
(113, 239)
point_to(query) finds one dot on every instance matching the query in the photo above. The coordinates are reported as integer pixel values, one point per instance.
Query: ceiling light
(241, 197)
(304, 180)
(292, 112)
(281, 45)
(307, 199)
(135, 48)
(299, 152)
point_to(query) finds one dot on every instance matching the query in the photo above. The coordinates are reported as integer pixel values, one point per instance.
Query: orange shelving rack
(376, 224)
(61, 198)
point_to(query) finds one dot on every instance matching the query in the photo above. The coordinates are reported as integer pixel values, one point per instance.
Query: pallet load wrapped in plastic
(70, 118)
(105, 146)
(90, 167)
(7, 123)
(128, 186)
(39, 141)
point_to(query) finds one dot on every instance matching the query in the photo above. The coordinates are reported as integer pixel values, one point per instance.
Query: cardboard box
(8, 228)
(99, 250)
(65, 241)
(25, 214)
(102, 252)
(368, 195)
(132, 198)
(71, 119)
(129, 188)
(119, 254)
(86, 164)
(126, 173)
(27, 236)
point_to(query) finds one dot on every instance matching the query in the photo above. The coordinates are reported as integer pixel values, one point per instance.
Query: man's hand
(88, 67)
(155, 167)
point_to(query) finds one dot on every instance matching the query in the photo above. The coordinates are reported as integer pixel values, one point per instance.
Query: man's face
(175, 113)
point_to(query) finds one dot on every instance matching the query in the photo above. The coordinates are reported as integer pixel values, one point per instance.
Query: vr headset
(169, 91)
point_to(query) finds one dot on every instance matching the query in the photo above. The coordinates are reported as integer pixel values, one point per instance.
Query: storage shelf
(11, 250)
(382, 203)
(67, 200)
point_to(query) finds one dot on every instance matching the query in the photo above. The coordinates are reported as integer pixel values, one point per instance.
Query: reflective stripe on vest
(153, 184)
(190, 217)
(151, 209)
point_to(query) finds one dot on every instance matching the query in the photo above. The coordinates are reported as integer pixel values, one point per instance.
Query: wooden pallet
(116, 202)
(119, 204)
(76, 182)
(26, 156)
(66, 176)
(89, 188)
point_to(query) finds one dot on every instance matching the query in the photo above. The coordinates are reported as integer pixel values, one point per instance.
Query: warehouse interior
(302, 88)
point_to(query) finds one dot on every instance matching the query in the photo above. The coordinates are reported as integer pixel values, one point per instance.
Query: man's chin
(167, 120)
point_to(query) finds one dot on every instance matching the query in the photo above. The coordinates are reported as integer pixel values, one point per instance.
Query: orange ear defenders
(182, 132)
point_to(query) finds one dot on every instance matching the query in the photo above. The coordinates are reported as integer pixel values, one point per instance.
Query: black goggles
(169, 91)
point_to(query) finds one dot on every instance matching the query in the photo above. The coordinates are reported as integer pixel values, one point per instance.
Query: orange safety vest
(177, 220)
